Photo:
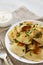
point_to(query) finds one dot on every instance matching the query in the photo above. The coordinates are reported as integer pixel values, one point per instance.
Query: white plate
(7, 44)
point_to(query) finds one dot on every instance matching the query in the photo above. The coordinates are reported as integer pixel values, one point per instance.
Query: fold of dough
(23, 38)
(34, 57)
(12, 34)
(18, 49)
(40, 39)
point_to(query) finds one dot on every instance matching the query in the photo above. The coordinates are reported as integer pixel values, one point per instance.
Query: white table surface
(36, 6)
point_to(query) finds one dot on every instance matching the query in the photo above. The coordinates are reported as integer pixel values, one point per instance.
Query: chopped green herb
(34, 29)
(21, 24)
(30, 32)
(38, 35)
(18, 34)
(15, 40)
(33, 26)
(27, 33)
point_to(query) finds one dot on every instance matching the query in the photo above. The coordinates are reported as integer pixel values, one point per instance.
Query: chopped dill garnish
(18, 34)
(15, 40)
(21, 24)
(38, 35)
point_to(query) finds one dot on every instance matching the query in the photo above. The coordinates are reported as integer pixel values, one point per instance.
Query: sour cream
(5, 18)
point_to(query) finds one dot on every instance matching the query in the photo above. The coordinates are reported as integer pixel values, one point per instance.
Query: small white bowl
(5, 18)
(7, 44)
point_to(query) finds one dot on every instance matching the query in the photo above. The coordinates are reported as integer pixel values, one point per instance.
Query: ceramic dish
(7, 44)
(5, 18)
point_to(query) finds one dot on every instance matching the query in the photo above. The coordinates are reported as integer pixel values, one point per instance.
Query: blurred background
(36, 6)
